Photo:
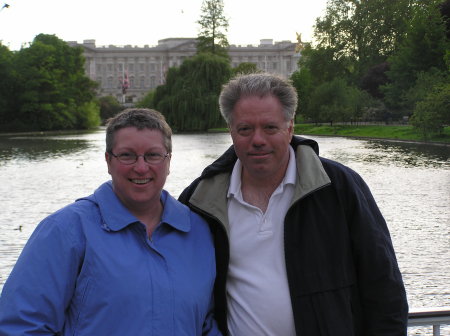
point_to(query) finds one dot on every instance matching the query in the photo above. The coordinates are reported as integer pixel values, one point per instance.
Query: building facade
(130, 72)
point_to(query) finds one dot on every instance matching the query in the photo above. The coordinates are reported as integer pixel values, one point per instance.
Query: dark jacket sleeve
(381, 289)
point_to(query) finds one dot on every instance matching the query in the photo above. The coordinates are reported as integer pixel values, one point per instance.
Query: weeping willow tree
(189, 99)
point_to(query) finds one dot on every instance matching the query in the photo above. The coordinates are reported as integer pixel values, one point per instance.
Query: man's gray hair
(141, 118)
(261, 85)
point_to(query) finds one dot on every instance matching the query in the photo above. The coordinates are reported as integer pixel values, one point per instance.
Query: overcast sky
(141, 22)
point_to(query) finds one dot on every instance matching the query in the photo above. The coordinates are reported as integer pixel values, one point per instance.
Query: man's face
(261, 137)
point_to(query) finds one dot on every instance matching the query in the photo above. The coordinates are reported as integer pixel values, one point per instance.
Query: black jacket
(341, 266)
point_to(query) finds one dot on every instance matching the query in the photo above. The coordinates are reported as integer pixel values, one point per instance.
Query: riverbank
(388, 132)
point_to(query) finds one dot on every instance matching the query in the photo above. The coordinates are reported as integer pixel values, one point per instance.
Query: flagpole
(123, 83)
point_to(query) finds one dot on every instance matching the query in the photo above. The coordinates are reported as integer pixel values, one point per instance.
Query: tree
(337, 101)
(148, 100)
(432, 113)
(322, 65)
(245, 68)
(213, 26)
(316, 67)
(364, 32)
(375, 78)
(109, 107)
(189, 99)
(425, 47)
(303, 83)
(54, 92)
(425, 83)
(8, 84)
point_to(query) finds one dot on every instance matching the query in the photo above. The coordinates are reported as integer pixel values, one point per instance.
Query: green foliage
(109, 107)
(147, 100)
(374, 79)
(433, 112)
(302, 80)
(245, 68)
(424, 48)
(8, 83)
(51, 91)
(425, 82)
(213, 27)
(336, 101)
(396, 51)
(322, 64)
(371, 131)
(189, 99)
(362, 33)
(87, 116)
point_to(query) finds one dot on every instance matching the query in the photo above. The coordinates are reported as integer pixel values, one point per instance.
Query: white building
(145, 68)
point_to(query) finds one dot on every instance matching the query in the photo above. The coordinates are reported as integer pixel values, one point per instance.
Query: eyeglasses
(129, 158)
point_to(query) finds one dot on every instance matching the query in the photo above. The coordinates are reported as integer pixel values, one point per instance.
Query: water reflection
(37, 148)
(387, 153)
(409, 154)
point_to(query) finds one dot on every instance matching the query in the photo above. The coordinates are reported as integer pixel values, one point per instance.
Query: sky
(144, 22)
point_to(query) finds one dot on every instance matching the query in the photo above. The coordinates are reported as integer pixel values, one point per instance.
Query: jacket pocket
(77, 310)
(328, 313)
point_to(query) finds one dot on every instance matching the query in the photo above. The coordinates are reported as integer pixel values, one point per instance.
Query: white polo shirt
(257, 289)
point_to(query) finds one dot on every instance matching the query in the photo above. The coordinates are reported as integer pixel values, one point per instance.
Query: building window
(152, 82)
(141, 67)
(109, 83)
(131, 67)
(142, 82)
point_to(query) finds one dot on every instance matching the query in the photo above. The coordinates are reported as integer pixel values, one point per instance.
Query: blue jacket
(90, 269)
(342, 271)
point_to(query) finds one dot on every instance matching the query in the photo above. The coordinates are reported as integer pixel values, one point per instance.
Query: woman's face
(138, 185)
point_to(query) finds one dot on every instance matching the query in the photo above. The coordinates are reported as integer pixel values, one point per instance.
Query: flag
(125, 83)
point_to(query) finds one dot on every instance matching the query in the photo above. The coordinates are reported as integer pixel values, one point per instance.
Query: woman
(127, 260)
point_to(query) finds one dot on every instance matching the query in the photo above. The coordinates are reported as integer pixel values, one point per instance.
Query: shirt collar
(235, 180)
(115, 216)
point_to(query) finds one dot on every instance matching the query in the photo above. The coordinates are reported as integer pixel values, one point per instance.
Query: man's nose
(258, 138)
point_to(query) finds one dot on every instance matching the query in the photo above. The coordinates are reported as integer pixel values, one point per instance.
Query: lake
(410, 182)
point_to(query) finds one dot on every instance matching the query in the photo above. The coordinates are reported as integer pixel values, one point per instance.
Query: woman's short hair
(141, 118)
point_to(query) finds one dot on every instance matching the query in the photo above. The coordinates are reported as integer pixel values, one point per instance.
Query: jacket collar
(211, 194)
(115, 216)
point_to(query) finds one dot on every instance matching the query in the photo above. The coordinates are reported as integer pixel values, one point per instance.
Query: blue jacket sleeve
(39, 289)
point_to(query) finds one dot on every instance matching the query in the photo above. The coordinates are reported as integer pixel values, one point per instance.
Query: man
(301, 246)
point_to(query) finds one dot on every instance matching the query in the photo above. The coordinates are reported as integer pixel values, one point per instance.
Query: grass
(397, 132)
